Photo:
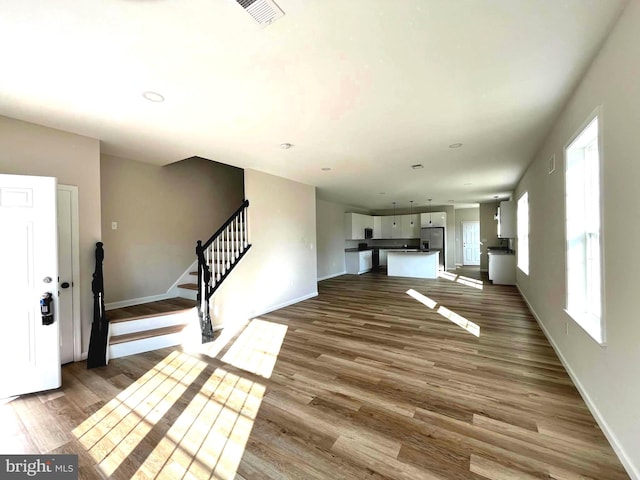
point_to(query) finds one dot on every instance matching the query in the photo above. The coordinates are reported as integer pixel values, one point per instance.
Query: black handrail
(206, 287)
(225, 224)
(97, 355)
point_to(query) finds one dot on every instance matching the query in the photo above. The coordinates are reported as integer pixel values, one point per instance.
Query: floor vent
(265, 12)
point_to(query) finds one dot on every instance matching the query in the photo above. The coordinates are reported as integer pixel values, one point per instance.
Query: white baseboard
(604, 426)
(333, 275)
(137, 301)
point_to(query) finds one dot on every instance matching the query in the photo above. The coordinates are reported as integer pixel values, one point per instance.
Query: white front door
(29, 348)
(471, 243)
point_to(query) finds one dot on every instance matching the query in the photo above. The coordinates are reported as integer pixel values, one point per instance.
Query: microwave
(368, 233)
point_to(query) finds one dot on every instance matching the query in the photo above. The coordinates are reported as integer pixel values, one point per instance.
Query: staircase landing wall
(161, 212)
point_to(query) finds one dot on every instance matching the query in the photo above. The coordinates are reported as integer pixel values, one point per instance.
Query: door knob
(65, 285)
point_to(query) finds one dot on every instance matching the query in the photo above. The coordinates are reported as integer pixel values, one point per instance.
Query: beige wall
(607, 376)
(280, 268)
(29, 149)
(463, 215)
(330, 238)
(161, 212)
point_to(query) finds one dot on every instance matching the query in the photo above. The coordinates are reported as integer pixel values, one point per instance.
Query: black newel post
(204, 279)
(97, 355)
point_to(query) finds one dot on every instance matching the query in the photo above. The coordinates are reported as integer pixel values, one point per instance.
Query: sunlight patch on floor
(470, 282)
(422, 298)
(212, 425)
(445, 312)
(459, 320)
(257, 349)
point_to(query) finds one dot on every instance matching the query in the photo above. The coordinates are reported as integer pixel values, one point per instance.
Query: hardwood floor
(362, 382)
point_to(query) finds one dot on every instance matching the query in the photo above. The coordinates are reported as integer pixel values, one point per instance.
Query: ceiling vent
(265, 12)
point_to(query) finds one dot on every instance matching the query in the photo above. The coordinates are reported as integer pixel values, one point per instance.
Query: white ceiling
(366, 88)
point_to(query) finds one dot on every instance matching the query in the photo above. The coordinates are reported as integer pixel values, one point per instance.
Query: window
(583, 238)
(523, 233)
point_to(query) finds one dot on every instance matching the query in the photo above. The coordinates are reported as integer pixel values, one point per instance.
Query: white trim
(83, 356)
(602, 423)
(137, 301)
(75, 261)
(597, 113)
(186, 275)
(333, 275)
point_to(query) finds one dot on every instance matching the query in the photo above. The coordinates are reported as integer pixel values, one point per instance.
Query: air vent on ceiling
(264, 12)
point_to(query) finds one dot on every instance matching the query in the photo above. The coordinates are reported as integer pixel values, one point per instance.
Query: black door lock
(46, 308)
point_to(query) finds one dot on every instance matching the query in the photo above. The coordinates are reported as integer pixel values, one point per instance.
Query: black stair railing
(216, 258)
(97, 354)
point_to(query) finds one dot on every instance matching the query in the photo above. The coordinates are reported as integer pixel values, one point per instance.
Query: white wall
(608, 377)
(29, 149)
(330, 237)
(280, 269)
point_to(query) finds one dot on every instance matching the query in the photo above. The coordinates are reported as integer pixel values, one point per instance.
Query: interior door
(67, 292)
(29, 348)
(471, 243)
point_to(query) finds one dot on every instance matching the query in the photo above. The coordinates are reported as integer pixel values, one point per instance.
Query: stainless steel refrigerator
(432, 238)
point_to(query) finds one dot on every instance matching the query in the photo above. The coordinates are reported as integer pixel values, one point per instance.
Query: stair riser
(186, 293)
(145, 345)
(143, 324)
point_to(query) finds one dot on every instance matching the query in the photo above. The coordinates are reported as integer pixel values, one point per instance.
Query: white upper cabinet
(383, 228)
(377, 227)
(507, 220)
(410, 226)
(354, 225)
(438, 219)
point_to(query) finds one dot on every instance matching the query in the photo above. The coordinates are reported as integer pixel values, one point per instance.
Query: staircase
(217, 257)
(175, 321)
(142, 328)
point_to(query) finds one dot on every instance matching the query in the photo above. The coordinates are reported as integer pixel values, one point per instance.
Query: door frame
(470, 222)
(75, 259)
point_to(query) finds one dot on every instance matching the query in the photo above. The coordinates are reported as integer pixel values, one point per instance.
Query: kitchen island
(416, 264)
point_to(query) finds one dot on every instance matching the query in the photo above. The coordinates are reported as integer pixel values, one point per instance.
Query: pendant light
(411, 211)
(496, 216)
(394, 214)
(430, 212)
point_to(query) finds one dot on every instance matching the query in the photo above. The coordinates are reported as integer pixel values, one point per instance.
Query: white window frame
(523, 236)
(593, 325)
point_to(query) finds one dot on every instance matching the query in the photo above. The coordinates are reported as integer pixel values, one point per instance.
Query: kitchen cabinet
(388, 229)
(408, 230)
(507, 220)
(502, 268)
(354, 225)
(377, 227)
(359, 262)
(438, 219)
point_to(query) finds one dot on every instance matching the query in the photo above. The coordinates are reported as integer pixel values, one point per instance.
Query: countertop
(355, 249)
(501, 252)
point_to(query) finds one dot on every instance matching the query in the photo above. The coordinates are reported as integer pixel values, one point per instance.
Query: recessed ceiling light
(325, 169)
(153, 97)
(417, 166)
(455, 145)
(286, 146)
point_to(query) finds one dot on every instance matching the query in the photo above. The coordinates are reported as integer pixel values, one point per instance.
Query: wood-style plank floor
(362, 382)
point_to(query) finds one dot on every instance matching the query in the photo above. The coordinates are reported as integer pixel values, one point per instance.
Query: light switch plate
(114, 225)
